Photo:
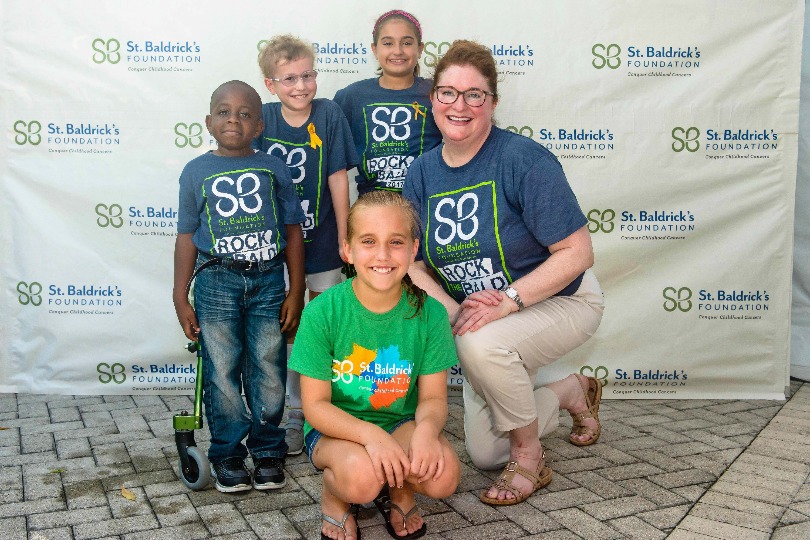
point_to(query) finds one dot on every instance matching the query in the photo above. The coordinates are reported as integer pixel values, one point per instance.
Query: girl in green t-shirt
(373, 354)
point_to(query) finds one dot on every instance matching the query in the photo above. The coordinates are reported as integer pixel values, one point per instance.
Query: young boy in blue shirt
(238, 213)
(313, 137)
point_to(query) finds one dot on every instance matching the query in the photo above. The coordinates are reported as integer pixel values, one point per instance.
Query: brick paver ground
(691, 469)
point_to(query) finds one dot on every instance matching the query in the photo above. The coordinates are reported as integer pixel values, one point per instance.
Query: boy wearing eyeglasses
(313, 138)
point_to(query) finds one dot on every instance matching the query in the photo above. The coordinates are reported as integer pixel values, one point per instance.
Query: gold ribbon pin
(314, 140)
(417, 110)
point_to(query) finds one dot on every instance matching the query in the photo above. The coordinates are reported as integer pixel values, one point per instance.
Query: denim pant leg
(265, 367)
(218, 294)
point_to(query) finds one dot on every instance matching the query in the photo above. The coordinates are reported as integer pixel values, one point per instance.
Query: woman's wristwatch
(513, 294)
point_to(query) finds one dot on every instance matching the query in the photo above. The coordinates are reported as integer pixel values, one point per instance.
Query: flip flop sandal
(342, 523)
(593, 395)
(540, 478)
(385, 505)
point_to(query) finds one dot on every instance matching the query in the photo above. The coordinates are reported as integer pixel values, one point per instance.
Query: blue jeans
(242, 348)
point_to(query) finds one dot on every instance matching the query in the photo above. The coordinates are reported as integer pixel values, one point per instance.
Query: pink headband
(401, 13)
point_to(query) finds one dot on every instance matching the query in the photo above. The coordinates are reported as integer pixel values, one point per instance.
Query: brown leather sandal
(540, 478)
(593, 395)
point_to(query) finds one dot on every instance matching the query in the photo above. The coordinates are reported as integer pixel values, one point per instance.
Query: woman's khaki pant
(500, 363)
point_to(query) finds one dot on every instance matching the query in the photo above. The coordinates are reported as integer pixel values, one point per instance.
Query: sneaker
(231, 475)
(295, 433)
(269, 473)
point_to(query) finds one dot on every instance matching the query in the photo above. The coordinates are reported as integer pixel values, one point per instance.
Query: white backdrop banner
(676, 123)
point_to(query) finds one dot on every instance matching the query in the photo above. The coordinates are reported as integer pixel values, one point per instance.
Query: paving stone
(692, 493)
(73, 448)
(187, 531)
(273, 525)
(576, 465)
(41, 442)
(122, 507)
(41, 483)
(662, 461)
(129, 478)
(450, 521)
(721, 530)
(88, 494)
(132, 422)
(750, 479)
(636, 470)
(64, 414)
(760, 494)
(682, 478)
(561, 534)
(748, 520)
(496, 530)
(109, 454)
(473, 510)
(71, 476)
(800, 531)
(33, 410)
(85, 432)
(174, 510)
(741, 504)
(116, 526)
(274, 500)
(790, 518)
(775, 469)
(14, 528)
(527, 517)
(704, 463)
(592, 481)
(621, 507)
(100, 407)
(49, 520)
(782, 450)
(44, 427)
(635, 528)
(804, 492)
(584, 525)
(652, 492)
(31, 507)
(223, 519)
(665, 518)
(687, 449)
(57, 533)
(802, 507)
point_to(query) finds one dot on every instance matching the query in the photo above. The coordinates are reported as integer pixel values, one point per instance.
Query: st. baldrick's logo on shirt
(238, 205)
(391, 126)
(295, 155)
(380, 377)
(461, 224)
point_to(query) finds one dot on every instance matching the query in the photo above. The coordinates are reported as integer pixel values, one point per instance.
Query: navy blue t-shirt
(310, 168)
(237, 207)
(490, 222)
(390, 128)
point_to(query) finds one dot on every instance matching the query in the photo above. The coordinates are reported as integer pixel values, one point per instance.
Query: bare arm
(185, 256)
(569, 257)
(427, 457)
(423, 278)
(294, 257)
(339, 188)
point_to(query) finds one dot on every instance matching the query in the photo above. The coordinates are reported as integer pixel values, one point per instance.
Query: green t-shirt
(372, 359)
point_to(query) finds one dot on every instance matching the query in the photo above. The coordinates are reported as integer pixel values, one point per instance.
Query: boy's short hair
(286, 48)
(253, 95)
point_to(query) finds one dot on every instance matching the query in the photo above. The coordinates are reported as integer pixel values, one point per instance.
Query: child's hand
(188, 320)
(426, 454)
(390, 462)
(291, 313)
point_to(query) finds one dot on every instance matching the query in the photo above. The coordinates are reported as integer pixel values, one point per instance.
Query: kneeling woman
(506, 250)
